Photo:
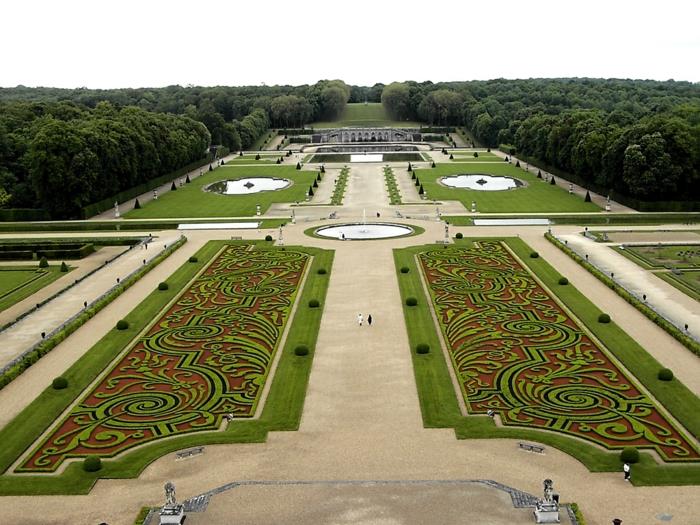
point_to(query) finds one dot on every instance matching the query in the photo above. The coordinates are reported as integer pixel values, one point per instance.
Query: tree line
(235, 116)
(637, 138)
(60, 156)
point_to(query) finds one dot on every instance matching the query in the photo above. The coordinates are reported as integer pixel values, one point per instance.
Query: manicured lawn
(282, 409)
(683, 257)
(666, 255)
(19, 282)
(536, 196)
(365, 115)
(687, 282)
(437, 394)
(589, 218)
(191, 200)
(468, 156)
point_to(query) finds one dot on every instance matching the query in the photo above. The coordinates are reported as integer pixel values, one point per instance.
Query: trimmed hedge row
(49, 344)
(669, 327)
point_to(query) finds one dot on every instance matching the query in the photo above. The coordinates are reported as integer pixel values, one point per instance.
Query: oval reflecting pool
(247, 186)
(481, 182)
(359, 231)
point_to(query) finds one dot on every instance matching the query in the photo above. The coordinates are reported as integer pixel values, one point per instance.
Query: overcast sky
(128, 43)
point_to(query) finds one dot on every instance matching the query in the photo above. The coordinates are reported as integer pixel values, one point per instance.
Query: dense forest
(635, 138)
(639, 139)
(60, 157)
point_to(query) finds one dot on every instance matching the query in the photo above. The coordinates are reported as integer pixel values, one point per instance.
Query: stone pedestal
(546, 512)
(172, 515)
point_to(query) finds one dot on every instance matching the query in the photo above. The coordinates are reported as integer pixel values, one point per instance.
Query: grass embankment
(437, 394)
(282, 410)
(361, 115)
(191, 200)
(535, 196)
(19, 282)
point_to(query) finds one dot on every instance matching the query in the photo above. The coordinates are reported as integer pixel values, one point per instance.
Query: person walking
(627, 470)
(369, 320)
(359, 319)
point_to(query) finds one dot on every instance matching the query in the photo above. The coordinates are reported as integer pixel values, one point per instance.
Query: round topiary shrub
(193, 259)
(92, 464)
(629, 455)
(422, 348)
(321, 271)
(563, 281)
(404, 269)
(411, 301)
(59, 383)
(313, 303)
(603, 318)
(122, 324)
(459, 235)
(301, 350)
(268, 237)
(665, 374)
(43, 262)
(163, 286)
(534, 255)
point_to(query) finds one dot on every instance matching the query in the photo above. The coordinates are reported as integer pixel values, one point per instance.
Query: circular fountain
(364, 230)
(481, 182)
(247, 185)
(358, 231)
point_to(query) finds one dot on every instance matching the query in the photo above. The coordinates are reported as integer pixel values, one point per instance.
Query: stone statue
(548, 490)
(547, 509)
(172, 513)
(170, 494)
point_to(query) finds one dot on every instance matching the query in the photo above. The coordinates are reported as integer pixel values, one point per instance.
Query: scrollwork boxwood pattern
(206, 357)
(516, 352)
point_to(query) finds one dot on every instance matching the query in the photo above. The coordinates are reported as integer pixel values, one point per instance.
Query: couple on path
(360, 318)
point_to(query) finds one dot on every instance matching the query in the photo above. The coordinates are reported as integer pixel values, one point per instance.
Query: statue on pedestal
(547, 509)
(170, 494)
(172, 513)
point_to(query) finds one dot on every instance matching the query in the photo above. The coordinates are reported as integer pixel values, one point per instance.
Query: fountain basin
(481, 182)
(247, 185)
(359, 231)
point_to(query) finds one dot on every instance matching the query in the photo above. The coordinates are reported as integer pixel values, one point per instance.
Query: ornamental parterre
(516, 352)
(206, 357)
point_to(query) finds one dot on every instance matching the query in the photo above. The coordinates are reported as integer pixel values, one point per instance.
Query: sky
(155, 43)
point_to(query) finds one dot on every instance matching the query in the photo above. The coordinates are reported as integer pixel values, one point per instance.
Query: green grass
(192, 201)
(591, 218)
(340, 185)
(438, 399)
(265, 158)
(664, 256)
(687, 282)
(282, 410)
(537, 196)
(391, 186)
(360, 115)
(468, 156)
(19, 282)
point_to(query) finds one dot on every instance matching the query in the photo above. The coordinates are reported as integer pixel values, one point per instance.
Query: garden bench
(236, 238)
(189, 452)
(530, 447)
